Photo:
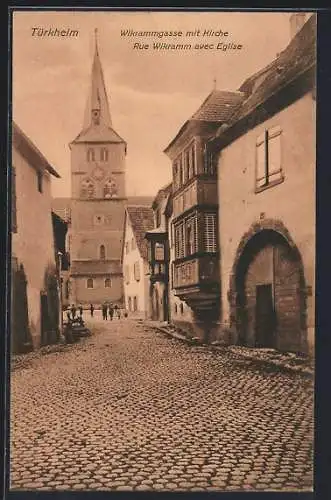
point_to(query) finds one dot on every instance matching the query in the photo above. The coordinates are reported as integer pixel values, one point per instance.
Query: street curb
(263, 362)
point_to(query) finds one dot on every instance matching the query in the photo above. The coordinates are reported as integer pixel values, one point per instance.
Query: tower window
(107, 283)
(90, 154)
(96, 116)
(89, 283)
(102, 252)
(87, 189)
(104, 154)
(109, 189)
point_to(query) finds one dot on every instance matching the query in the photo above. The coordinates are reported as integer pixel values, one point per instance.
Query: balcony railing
(198, 271)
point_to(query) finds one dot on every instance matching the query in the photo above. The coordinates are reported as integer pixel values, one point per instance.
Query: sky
(151, 93)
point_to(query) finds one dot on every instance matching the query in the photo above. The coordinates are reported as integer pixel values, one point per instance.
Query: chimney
(297, 20)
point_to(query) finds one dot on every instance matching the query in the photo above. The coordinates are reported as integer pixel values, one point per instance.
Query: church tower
(98, 197)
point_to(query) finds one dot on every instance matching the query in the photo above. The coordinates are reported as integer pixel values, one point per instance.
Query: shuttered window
(268, 158)
(13, 201)
(210, 233)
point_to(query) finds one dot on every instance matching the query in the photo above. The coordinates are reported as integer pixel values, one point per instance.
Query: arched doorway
(267, 295)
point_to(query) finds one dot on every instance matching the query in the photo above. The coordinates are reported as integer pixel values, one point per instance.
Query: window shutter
(210, 235)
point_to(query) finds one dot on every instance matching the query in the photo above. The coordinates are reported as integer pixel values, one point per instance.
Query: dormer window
(90, 154)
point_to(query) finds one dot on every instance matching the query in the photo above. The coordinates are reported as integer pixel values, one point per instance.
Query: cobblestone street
(130, 409)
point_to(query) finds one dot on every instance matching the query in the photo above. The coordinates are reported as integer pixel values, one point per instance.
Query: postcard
(163, 251)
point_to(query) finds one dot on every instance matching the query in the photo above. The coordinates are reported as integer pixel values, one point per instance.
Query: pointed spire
(97, 108)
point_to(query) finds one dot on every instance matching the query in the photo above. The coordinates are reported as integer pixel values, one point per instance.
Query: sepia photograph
(163, 191)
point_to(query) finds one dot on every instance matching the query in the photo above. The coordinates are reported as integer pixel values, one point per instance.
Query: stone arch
(261, 234)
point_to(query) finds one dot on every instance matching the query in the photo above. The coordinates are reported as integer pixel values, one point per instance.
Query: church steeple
(97, 125)
(97, 107)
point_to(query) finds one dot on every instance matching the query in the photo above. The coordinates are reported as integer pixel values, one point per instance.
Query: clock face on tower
(98, 173)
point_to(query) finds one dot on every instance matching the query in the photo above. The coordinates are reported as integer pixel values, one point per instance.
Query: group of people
(74, 312)
(111, 311)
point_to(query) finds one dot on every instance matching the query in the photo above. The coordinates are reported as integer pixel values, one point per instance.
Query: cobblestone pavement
(130, 409)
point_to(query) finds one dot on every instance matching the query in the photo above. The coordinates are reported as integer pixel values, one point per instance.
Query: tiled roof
(90, 267)
(218, 106)
(162, 194)
(142, 220)
(100, 133)
(298, 56)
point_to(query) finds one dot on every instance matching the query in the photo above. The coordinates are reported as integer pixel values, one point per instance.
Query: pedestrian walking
(104, 311)
(125, 313)
(91, 310)
(73, 311)
(81, 310)
(68, 315)
(111, 311)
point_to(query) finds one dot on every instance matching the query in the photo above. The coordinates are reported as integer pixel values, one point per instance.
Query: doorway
(264, 316)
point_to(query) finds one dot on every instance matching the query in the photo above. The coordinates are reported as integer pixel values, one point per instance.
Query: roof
(62, 205)
(30, 151)
(162, 194)
(98, 133)
(97, 102)
(142, 220)
(298, 56)
(218, 107)
(91, 267)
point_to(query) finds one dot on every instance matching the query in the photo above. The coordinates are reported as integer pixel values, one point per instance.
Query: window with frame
(110, 189)
(90, 154)
(268, 158)
(186, 236)
(107, 283)
(40, 181)
(104, 154)
(102, 252)
(13, 201)
(89, 283)
(136, 271)
(209, 164)
(210, 232)
(87, 189)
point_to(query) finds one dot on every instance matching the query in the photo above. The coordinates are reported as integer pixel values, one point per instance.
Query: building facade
(35, 279)
(138, 220)
(159, 256)
(194, 227)
(97, 202)
(266, 186)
